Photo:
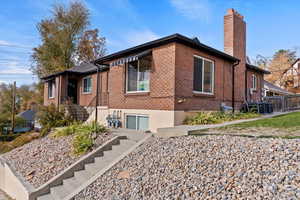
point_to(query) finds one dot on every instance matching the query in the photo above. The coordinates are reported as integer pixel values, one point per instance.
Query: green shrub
(83, 139)
(82, 142)
(50, 117)
(203, 118)
(66, 131)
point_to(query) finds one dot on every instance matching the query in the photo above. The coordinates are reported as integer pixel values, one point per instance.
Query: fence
(284, 103)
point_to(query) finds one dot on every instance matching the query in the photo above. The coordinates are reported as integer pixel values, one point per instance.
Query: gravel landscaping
(253, 131)
(204, 167)
(42, 159)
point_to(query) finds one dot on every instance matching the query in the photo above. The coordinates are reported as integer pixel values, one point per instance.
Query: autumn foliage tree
(65, 40)
(278, 65)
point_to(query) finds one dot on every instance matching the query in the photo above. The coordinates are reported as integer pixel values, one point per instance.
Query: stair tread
(46, 197)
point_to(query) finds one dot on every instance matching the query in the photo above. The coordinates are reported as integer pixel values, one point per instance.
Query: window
(51, 89)
(203, 75)
(138, 76)
(137, 122)
(254, 82)
(87, 85)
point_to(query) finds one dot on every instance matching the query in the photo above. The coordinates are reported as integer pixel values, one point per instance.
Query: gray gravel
(206, 167)
(42, 159)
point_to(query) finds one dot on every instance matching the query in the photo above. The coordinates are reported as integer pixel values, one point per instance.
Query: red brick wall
(257, 94)
(235, 45)
(47, 100)
(86, 99)
(162, 84)
(184, 81)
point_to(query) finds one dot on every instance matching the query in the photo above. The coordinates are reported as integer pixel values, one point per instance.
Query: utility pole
(13, 108)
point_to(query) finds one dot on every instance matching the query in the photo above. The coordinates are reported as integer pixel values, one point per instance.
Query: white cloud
(132, 38)
(193, 9)
(139, 37)
(4, 43)
(14, 67)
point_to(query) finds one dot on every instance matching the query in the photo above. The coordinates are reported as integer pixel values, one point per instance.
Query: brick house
(159, 83)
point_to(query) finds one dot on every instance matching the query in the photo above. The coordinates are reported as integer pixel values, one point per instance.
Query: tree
(280, 63)
(261, 61)
(66, 40)
(91, 46)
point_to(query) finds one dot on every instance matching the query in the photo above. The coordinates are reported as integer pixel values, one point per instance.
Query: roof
(297, 60)
(192, 42)
(83, 68)
(272, 87)
(27, 115)
(257, 69)
(196, 44)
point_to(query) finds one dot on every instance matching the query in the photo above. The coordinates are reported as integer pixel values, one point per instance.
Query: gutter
(233, 82)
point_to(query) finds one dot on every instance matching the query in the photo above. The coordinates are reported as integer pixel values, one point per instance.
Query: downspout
(233, 82)
(58, 92)
(246, 85)
(97, 94)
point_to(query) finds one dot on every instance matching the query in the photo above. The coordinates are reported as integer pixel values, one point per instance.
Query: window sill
(137, 93)
(51, 97)
(84, 93)
(199, 94)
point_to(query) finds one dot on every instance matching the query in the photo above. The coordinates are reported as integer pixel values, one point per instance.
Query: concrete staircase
(77, 112)
(90, 170)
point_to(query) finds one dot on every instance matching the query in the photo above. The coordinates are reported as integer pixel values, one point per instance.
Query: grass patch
(289, 121)
(203, 118)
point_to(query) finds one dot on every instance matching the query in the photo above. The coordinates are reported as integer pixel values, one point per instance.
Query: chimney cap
(231, 11)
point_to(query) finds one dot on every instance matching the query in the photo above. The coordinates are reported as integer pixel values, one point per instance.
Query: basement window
(203, 75)
(87, 85)
(137, 122)
(51, 89)
(138, 76)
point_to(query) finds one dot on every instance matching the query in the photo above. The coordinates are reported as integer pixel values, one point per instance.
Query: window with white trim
(203, 75)
(254, 82)
(137, 122)
(138, 76)
(51, 89)
(87, 85)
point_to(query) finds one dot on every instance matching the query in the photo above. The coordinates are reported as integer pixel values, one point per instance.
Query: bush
(50, 117)
(203, 118)
(83, 139)
(82, 142)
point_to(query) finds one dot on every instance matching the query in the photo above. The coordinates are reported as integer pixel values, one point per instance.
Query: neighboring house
(159, 83)
(292, 75)
(273, 90)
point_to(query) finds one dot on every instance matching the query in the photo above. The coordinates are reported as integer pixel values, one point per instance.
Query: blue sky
(271, 25)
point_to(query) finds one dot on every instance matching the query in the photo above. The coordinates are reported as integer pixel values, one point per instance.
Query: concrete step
(46, 197)
(82, 175)
(90, 170)
(71, 183)
(59, 192)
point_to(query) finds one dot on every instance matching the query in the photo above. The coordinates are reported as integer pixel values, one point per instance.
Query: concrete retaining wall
(11, 183)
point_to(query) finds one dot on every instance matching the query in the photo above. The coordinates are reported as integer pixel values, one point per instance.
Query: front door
(72, 90)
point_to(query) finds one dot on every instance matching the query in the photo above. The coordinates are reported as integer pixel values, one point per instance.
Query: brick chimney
(235, 45)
